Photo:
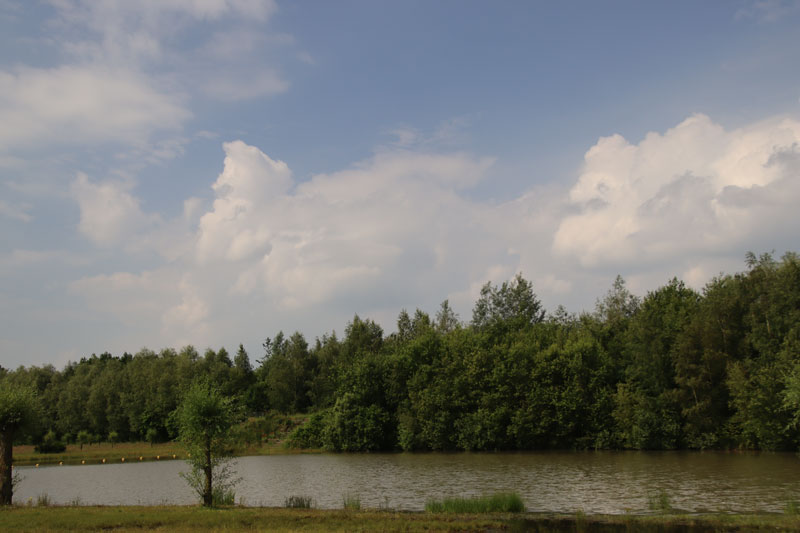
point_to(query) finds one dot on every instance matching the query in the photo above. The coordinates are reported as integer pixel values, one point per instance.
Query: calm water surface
(595, 482)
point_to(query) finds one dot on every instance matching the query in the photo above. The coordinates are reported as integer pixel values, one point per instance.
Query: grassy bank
(130, 452)
(197, 519)
(98, 453)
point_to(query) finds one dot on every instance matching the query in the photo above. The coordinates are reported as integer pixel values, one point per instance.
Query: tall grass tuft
(43, 500)
(659, 501)
(351, 502)
(223, 496)
(792, 507)
(298, 502)
(501, 502)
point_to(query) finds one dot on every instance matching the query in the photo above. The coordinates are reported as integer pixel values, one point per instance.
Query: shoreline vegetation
(675, 369)
(133, 452)
(198, 519)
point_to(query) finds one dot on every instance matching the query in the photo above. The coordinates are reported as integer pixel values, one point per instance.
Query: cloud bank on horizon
(125, 225)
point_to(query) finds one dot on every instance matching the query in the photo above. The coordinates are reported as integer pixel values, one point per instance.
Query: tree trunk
(6, 449)
(208, 496)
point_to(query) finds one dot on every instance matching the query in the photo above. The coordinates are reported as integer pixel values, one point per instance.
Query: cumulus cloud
(400, 229)
(695, 190)
(389, 232)
(336, 231)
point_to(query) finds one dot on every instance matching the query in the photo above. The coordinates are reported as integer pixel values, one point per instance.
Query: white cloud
(695, 190)
(110, 214)
(398, 230)
(79, 104)
(145, 36)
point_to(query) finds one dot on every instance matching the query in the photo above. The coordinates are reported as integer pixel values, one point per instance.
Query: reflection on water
(595, 482)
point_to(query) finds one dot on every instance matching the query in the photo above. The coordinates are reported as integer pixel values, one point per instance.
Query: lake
(594, 482)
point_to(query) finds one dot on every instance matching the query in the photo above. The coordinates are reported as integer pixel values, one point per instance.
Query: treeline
(675, 369)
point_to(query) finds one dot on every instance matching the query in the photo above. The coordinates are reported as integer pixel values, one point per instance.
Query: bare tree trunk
(6, 449)
(208, 496)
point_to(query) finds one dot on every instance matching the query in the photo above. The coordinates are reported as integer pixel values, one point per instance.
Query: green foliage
(503, 502)
(223, 496)
(83, 437)
(204, 419)
(355, 427)
(510, 306)
(311, 434)
(50, 444)
(659, 501)
(675, 369)
(18, 407)
(18, 410)
(151, 436)
(298, 502)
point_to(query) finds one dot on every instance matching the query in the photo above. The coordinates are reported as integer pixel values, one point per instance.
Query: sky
(211, 172)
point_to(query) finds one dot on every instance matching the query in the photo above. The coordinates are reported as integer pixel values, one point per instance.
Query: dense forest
(674, 369)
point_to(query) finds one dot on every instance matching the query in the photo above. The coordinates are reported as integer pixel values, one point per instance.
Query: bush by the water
(502, 502)
(50, 444)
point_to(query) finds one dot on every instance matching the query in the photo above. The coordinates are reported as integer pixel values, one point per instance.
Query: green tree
(446, 319)
(18, 409)
(510, 306)
(151, 436)
(204, 419)
(83, 437)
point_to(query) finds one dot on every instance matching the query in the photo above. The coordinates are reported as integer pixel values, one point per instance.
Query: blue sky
(213, 171)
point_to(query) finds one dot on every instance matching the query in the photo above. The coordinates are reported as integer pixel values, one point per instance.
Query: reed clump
(351, 502)
(298, 502)
(501, 502)
(659, 502)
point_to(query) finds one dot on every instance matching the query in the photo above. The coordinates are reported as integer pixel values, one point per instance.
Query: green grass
(502, 502)
(100, 453)
(199, 520)
(792, 507)
(196, 519)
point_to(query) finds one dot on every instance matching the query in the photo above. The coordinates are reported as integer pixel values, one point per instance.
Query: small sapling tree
(204, 419)
(83, 437)
(18, 409)
(151, 436)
